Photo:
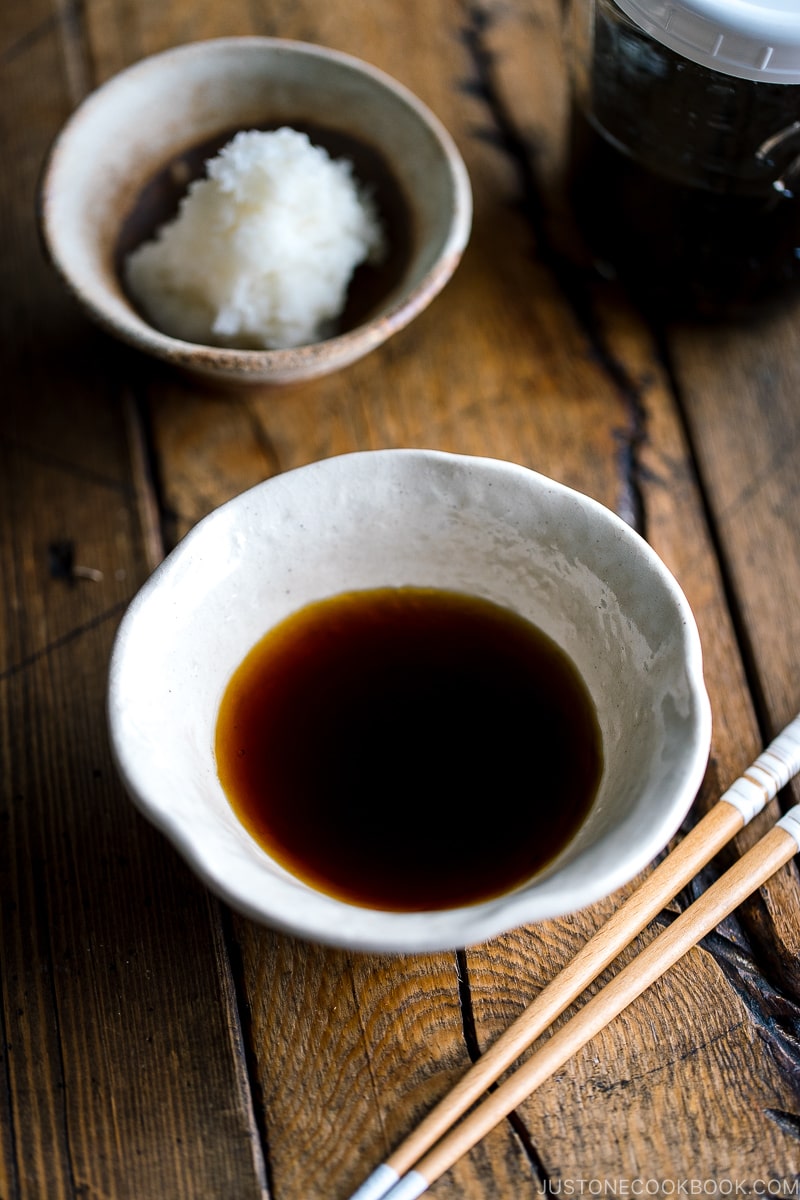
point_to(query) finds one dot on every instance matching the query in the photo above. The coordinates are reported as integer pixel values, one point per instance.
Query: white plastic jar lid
(751, 39)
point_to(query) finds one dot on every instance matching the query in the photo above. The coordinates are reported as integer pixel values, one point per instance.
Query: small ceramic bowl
(374, 519)
(120, 165)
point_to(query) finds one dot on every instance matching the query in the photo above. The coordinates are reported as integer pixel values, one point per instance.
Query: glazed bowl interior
(124, 159)
(413, 517)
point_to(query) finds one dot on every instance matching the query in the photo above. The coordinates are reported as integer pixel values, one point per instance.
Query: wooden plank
(651, 438)
(748, 467)
(121, 1072)
(670, 514)
(749, 476)
(503, 364)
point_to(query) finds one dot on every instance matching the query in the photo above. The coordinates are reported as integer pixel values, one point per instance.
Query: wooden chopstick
(751, 871)
(738, 805)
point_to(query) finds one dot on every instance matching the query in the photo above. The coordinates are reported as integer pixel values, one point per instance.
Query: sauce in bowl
(409, 749)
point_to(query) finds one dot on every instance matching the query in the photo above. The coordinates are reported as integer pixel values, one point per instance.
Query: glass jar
(684, 163)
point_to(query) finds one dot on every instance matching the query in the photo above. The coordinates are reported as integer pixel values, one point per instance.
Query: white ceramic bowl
(98, 198)
(394, 517)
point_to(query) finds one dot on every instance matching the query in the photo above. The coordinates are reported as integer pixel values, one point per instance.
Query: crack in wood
(24, 44)
(78, 471)
(156, 521)
(374, 1086)
(743, 639)
(571, 279)
(64, 640)
(472, 1043)
(607, 1086)
(773, 1012)
(231, 964)
(80, 77)
(788, 1122)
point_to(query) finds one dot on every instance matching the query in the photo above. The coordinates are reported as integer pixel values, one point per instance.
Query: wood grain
(773, 851)
(155, 1045)
(120, 1072)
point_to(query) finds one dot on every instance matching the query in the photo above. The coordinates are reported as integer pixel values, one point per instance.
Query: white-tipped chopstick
(751, 871)
(773, 768)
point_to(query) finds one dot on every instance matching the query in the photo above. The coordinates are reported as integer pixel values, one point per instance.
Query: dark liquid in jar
(684, 180)
(409, 749)
(683, 250)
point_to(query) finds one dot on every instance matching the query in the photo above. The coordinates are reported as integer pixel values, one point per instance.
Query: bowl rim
(382, 932)
(340, 348)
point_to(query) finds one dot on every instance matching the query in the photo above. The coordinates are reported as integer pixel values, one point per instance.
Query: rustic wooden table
(155, 1045)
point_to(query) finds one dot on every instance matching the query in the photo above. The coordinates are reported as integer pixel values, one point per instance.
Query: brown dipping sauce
(408, 748)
